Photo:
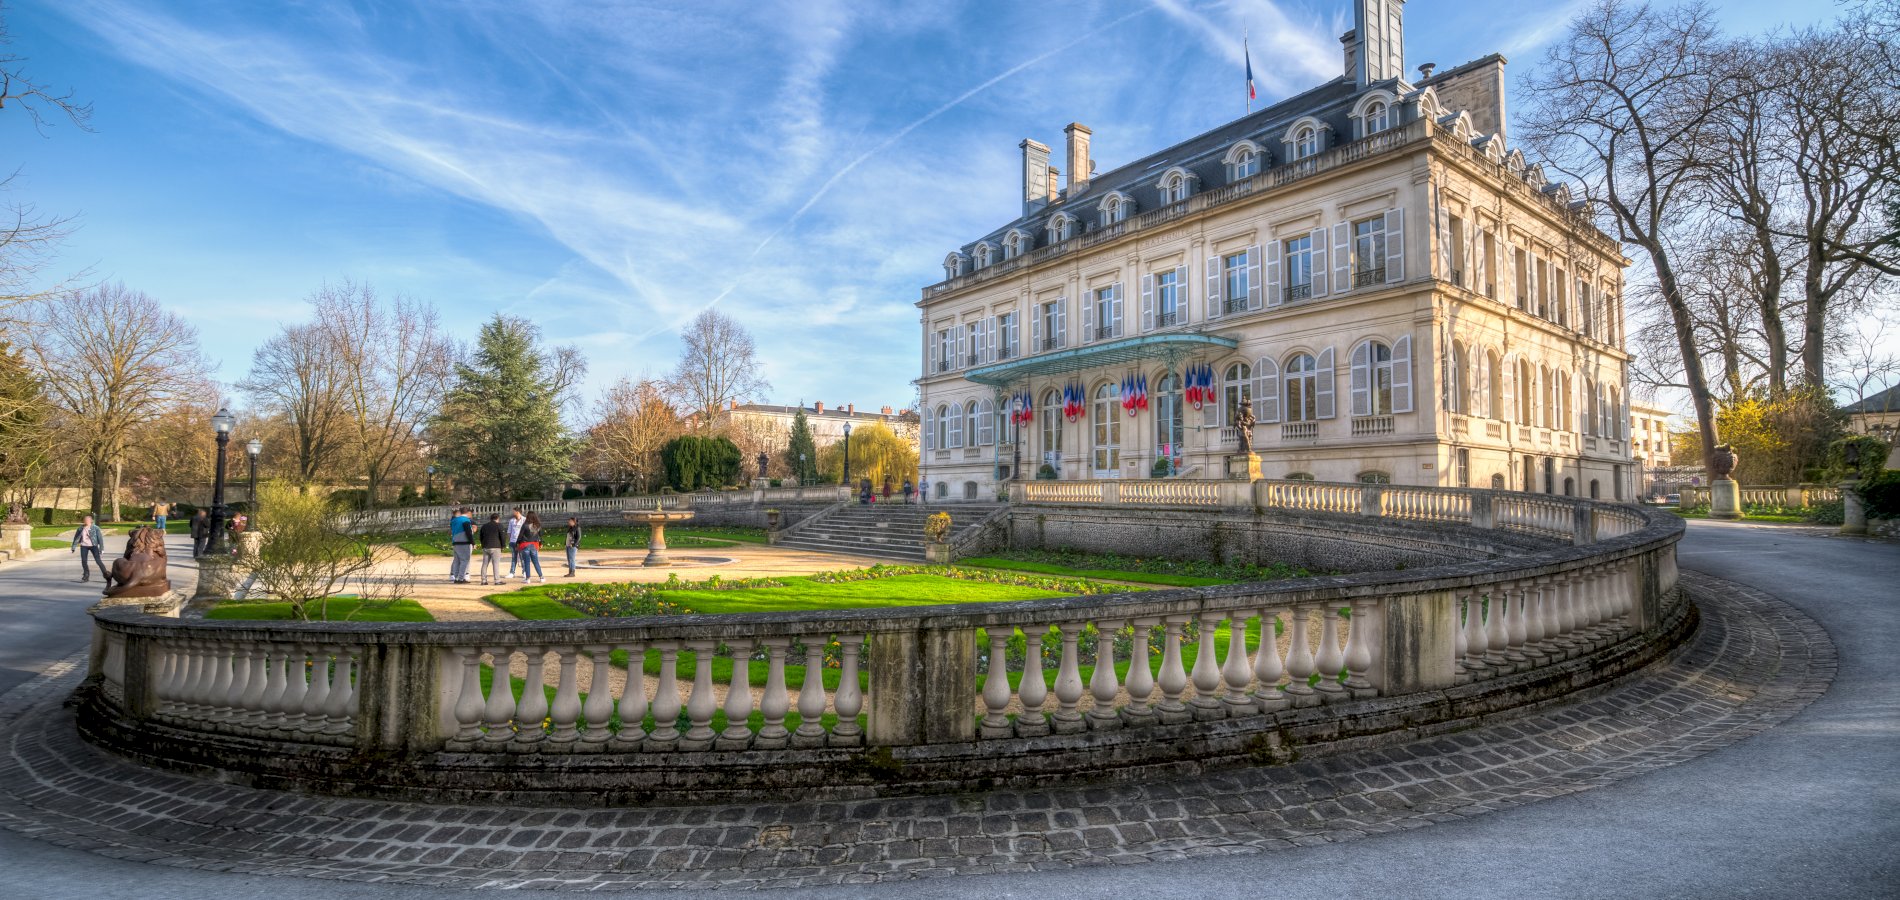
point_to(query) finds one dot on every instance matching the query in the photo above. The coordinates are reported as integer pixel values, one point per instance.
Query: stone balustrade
(918, 695)
(1797, 496)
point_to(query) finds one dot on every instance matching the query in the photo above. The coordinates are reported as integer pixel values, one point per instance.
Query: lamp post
(428, 492)
(221, 423)
(804, 476)
(252, 449)
(847, 454)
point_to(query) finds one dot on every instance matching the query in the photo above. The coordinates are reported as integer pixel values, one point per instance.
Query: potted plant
(1046, 473)
(936, 538)
(1161, 468)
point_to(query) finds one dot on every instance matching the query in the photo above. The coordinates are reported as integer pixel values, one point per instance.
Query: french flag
(1249, 58)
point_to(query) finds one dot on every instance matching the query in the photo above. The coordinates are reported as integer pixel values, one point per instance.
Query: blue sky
(610, 169)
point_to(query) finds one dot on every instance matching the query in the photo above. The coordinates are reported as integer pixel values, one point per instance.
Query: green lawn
(1138, 569)
(340, 609)
(173, 526)
(604, 537)
(52, 544)
(991, 562)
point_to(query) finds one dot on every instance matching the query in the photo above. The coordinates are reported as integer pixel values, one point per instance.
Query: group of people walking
(521, 534)
(89, 538)
(920, 491)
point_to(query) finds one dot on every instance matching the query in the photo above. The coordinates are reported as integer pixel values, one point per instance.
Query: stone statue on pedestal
(141, 571)
(1243, 423)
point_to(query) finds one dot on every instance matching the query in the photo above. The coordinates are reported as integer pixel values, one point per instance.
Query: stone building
(1391, 290)
(1649, 443)
(771, 425)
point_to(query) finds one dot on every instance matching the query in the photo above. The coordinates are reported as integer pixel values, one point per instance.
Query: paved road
(1811, 807)
(42, 606)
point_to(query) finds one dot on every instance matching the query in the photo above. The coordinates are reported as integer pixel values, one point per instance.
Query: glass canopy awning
(1170, 347)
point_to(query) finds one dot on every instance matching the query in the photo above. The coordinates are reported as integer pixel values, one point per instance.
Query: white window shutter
(1342, 258)
(1266, 391)
(1394, 245)
(1507, 385)
(1362, 379)
(1062, 322)
(1181, 295)
(996, 336)
(1035, 331)
(962, 346)
(930, 353)
(1402, 375)
(1213, 288)
(1324, 393)
(1255, 284)
(927, 422)
(1536, 302)
(985, 424)
(1115, 314)
(956, 427)
(1444, 237)
(1088, 317)
(1148, 302)
(1318, 238)
(1274, 292)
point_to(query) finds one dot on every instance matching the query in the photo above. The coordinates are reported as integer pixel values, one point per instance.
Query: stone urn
(772, 519)
(1725, 498)
(1722, 461)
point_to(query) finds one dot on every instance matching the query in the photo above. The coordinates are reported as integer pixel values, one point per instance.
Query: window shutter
(1362, 379)
(956, 427)
(1254, 282)
(1115, 310)
(1489, 408)
(1266, 391)
(1213, 288)
(1394, 245)
(1035, 331)
(1088, 316)
(1274, 293)
(1324, 394)
(958, 346)
(1535, 302)
(1318, 239)
(927, 423)
(1181, 294)
(1507, 385)
(1443, 216)
(1402, 375)
(930, 352)
(1479, 262)
(1148, 302)
(1342, 258)
(1062, 322)
(986, 424)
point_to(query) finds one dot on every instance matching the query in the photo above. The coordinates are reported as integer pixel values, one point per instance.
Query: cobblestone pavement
(1754, 662)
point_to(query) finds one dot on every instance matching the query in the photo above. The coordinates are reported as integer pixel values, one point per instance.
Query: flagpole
(1249, 58)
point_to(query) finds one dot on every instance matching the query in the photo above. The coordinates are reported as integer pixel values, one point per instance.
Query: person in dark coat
(494, 537)
(88, 540)
(200, 533)
(573, 542)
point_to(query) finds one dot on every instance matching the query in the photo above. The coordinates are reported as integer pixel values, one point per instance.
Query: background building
(771, 425)
(1390, 291)
(1649, 444)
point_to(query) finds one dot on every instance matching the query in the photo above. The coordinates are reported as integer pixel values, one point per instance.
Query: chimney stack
(1055, 189)
(818, 407)
(850, 409)
(885, 411)
(1035, 175)
(1425, 71)
(735, 404)
(1351, 40)
(1080, 168)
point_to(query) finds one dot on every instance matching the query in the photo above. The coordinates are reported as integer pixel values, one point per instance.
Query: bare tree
(20, 90)
(393, 365)
(1625, 105)
(114, 360)
(634, 422)
(718, 366)
(298, 375)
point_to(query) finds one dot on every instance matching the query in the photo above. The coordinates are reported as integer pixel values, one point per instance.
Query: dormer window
(1061, 228)
(1305, 142)
(1017, 243)
(1175, 185)
(1378, 118)
(955, 264)
(985, 254)
(1116, 208)
(1246, 164)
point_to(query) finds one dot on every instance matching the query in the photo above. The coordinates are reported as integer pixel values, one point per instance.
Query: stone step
(854, 549)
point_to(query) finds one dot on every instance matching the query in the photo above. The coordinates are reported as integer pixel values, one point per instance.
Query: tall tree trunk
(1814, 317)
(1697, 381)
(1768, 301)
(118, 474)
(98, 472)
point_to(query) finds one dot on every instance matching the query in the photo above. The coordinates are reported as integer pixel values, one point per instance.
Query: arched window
(1570, 486)
(969, 490)
(1061, 228)
(1497, 482)
(1170, 420)
(1547, 398)
(985, 423)
(1595, 489)
(1378, 117)
(1526, 384)
(1236, 390)
(1105, 419)
(952, 417)
(1374, 478)
(943, 490)
(955, 264)
(1493, 386)
(972, 423)
(1246, 163)
(1459, 399)
(1305, 142)
(944, 419)
(1116, 207)
(1175, 189)
(1013, 245)
(1372, 379)
(1302, 388)
(982, 255)
(1051, 417)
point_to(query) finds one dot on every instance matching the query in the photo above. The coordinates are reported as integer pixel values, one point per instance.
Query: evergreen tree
(801, 454)
(499, 434)
(25, 428)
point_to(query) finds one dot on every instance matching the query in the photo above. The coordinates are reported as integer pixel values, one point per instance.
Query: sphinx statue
(141, 571)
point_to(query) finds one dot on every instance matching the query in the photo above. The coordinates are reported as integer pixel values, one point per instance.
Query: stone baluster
(316, 701)
(1359, 650)
(468, 702)
(1102, 685)
(666, 700)
(600, 695)
(699, 704)
(1476, 639)
(1141, 680)
(738, 732)
(218, 700)
(1599, 611)
(251, 703)
(1205, 704)
(811, 695)
(1537, 620)
(1067, 718)
(1299, 661)
(1331, 662)
(777, 701)
(1237, 672)
(565, 713)
(1461, 643)
(1517, 624)
(849, 698)
(1497, 634)
(270, 706)
(633, 700)
(1564, 615)
(532, 713)
(185, 668)
(1267, 668)
(340, 711)
(498, 713)
(1034, 691)
(1174, 680)
(297, 686)
(165, 688)
(205, 697)
(996, 692)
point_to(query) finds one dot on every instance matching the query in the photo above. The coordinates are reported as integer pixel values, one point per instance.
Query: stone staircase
(888, 531)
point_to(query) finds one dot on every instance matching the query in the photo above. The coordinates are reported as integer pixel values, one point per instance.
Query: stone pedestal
(1725, 499)
(248, 543)
(16, 540)
(218, 578)
(937, 553)
(168, 604)
(1244, 468)
(1853, 512)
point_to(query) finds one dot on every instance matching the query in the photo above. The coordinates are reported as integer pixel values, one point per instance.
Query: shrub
(1881, 494)
(937, 527)
(573, 493)
(693, 462)
(1161, 468)
(349, 498)
(1046, 473)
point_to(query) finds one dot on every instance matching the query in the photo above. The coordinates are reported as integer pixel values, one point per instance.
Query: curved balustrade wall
(421, 710)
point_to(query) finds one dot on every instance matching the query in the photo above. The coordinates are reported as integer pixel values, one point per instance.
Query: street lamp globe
(254, 447)
(223, 421)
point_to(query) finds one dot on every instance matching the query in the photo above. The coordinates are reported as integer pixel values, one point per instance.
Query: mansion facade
(1387, 289)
